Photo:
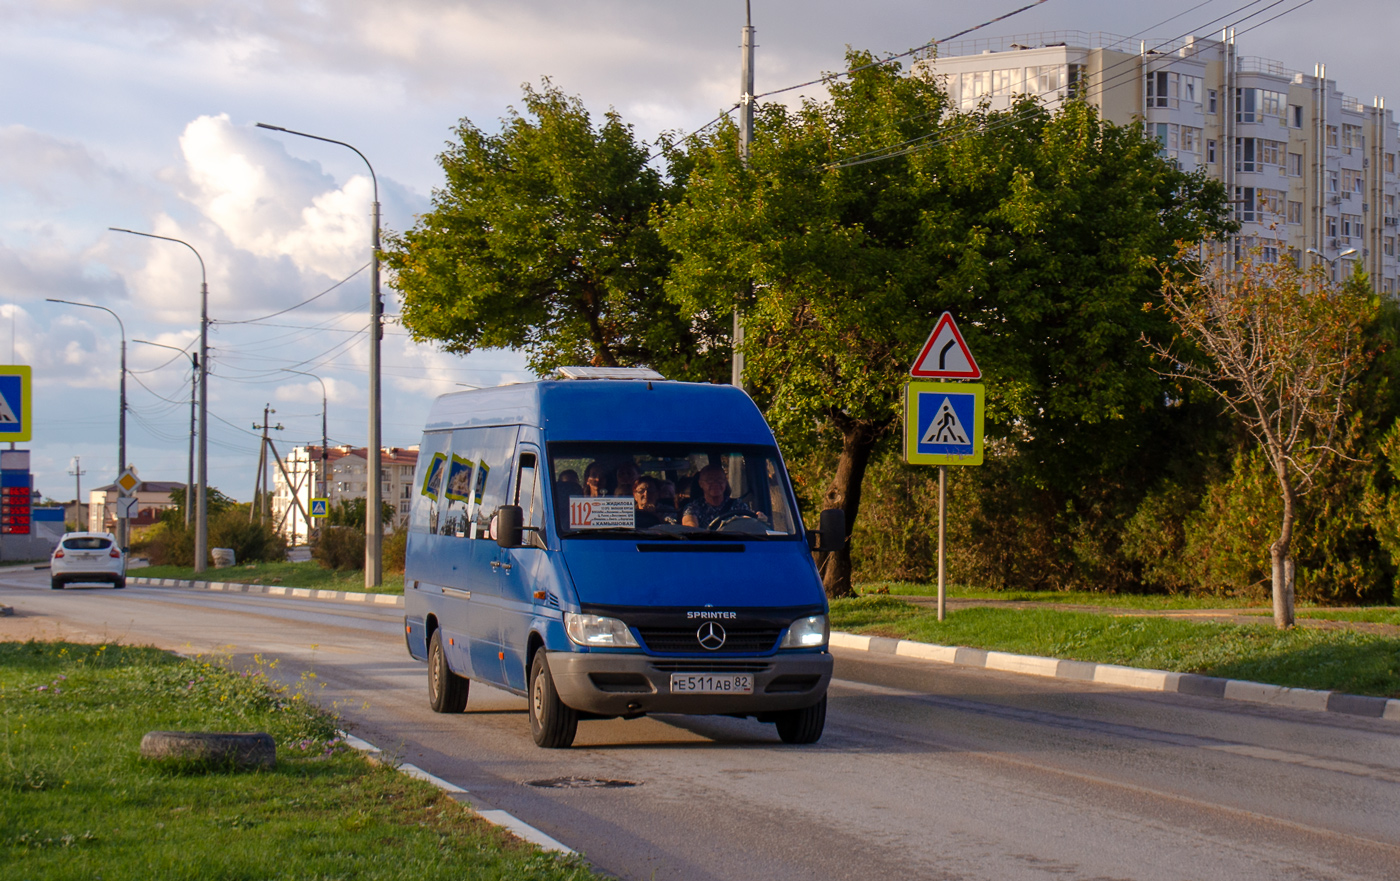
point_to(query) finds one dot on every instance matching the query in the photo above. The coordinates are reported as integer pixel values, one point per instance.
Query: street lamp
(1331, 261)
(374, 535)
(324, 453)
(123, 528)
(194, 385)
(201, 529)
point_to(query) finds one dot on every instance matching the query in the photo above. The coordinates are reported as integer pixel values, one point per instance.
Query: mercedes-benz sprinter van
(612, 544)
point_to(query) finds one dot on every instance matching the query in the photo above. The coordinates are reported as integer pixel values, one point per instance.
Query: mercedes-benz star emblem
(711, 636)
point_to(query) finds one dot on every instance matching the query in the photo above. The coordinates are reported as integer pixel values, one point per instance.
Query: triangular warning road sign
(945, 355)
(946, 428)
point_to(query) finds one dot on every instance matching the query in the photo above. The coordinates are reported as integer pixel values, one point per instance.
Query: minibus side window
(428, 483)
(495, 447)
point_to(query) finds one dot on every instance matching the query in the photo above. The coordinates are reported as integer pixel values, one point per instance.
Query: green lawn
(309, 574)
(1072, 598)
(76, 801)
(1335, 660)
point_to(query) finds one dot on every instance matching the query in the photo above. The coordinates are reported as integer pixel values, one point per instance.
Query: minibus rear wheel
(447, 692)
(552, 724)
(804, 725)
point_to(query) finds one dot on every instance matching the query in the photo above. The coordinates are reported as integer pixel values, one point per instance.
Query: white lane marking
(504, 819)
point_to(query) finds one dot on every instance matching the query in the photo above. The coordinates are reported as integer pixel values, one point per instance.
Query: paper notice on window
(602, 513)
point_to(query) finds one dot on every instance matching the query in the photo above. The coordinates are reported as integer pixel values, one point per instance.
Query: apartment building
(347, 471)
(1312, 171)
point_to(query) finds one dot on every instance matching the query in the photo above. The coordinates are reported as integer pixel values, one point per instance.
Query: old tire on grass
(804, 725)
(552, 724)
(215, 749)
(447, 692)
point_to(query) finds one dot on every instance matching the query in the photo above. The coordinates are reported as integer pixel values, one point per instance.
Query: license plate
(712, 683)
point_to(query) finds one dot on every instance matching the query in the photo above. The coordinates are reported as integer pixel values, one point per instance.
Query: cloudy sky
(140, 113)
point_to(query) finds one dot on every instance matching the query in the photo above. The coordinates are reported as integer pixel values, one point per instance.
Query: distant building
(152, 500)
(346, 469)
(1307, 166)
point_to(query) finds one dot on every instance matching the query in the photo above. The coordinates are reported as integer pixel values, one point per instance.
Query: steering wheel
(738, 521)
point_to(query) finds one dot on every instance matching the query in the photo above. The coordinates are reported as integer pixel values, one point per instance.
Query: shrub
(394, 550)
(340, 547)
(258, 541)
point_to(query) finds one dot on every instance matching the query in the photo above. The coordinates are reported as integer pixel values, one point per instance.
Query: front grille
(686, 639)
(708, 666)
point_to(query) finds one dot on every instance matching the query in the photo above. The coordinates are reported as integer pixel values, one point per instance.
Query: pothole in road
(580, 783)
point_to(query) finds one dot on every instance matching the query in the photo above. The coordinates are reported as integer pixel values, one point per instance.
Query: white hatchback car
(87, 557)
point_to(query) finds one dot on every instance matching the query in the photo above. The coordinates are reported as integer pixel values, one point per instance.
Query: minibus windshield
(670, 490)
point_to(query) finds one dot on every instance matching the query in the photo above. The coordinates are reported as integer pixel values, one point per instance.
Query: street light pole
(374, 532)
(324, 453)
(201, 529)
(1331, 261)
(194, 386)
(123, 525)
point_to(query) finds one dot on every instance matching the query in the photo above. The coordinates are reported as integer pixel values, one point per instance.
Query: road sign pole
(942, 499)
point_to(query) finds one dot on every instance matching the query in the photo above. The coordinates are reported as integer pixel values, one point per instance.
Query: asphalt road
(925, 771)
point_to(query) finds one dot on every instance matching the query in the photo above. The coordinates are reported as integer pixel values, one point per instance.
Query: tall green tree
(539, 241)
(859, 219)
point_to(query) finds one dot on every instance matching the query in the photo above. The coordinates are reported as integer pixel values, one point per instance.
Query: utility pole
(261, 478)
(78, 473)
(745, 137)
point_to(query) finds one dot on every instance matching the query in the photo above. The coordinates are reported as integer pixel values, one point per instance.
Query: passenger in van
(714, 502)
(667, 490)
(626, 478)
(595, 480)
(568, 483)
(650, 512)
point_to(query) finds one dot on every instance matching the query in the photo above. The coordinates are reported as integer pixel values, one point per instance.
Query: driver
(714, 503)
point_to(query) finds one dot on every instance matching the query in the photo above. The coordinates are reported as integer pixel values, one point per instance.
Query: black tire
(804, 725)
(552, 724)
(447, 692)
(56, 584)
(119, 583)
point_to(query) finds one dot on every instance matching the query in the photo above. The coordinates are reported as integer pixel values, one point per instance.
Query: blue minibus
(612, 544)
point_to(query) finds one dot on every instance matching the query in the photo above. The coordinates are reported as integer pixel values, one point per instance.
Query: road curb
(273, 590)
(512, 824)
(1128, 677)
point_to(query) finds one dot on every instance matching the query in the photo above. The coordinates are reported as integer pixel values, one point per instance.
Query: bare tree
(1278, 345)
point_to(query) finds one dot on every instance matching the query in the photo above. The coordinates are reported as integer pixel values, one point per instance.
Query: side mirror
(509, 530)
(831, 531)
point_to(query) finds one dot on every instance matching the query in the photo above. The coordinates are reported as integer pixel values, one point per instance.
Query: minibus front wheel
(804, 725)
(552, 724)
(447, 692)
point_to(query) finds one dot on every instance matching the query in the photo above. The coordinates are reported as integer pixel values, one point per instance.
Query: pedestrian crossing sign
(16, 421)
(320, 507)
(943, 423)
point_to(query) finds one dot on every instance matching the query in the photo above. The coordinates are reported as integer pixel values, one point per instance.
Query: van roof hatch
(608, 373)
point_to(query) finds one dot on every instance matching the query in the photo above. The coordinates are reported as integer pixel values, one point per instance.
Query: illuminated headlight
(805, 633)
(595, 631)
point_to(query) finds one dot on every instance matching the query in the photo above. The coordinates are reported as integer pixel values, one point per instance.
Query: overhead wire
(303, 302)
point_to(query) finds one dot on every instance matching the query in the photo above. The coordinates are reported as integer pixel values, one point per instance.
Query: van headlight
(807, 633)
(595, 631)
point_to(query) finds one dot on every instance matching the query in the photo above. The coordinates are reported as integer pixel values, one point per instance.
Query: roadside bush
(167, 543)
(394, 550)
(340, 547)
(254, 542)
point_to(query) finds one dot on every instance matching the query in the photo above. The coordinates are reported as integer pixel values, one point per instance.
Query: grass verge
(76, 801)
(308, 574)
(1068, 598)
(1331, 660)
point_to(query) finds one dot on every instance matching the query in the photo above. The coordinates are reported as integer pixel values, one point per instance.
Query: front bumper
(616, 684)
